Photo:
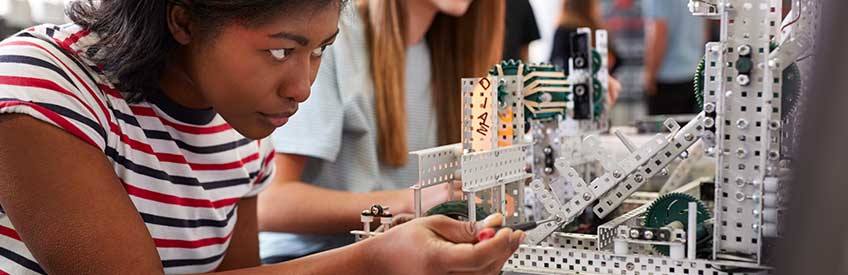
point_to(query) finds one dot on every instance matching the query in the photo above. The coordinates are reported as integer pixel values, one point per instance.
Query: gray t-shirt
(686, 38)
(337, 129)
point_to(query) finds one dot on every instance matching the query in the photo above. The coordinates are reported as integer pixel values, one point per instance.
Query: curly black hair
(135, 37)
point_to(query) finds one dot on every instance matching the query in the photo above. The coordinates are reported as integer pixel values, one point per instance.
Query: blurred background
(624, 19)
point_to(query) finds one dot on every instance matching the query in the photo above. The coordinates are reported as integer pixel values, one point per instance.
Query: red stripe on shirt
(44, 84)
(72, 71)
(264, 167)
(146, 148)
(55, 118)
(171, 199)
(74, 38)
(8, 232)
(180, 159)
(149, 112)
(110, 91)
(166, 243)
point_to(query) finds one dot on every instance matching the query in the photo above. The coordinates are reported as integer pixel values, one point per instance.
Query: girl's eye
(280, 54)
(319, 52)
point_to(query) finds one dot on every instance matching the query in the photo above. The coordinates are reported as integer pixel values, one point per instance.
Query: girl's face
(452, 7)
(255, 77)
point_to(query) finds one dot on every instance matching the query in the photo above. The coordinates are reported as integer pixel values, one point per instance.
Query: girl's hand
(441, 245)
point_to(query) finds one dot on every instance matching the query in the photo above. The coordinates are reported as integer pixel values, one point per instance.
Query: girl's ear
(179, 23)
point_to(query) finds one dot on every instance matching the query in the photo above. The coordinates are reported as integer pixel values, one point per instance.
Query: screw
(709, 122)
(616, 174)
(740, 181)
(709, 107)
(579, 62)
(773, 155)
(580, 90)
(741, 153)
(744, 50)
(774, 125)
(741, 123)
(587, 196)
(547, 150)
(548, 170)
(634, 233)
(649, 235)
(740, 196)
(638, 178)
(546, 97)
(688, 136)
(743, 80)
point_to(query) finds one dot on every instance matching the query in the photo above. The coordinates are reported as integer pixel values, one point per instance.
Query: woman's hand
(613, 92)
(441, 245)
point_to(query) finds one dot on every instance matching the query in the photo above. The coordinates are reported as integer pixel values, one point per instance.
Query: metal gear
(674, 207)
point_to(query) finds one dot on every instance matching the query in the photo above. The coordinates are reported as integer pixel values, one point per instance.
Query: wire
(791, 22)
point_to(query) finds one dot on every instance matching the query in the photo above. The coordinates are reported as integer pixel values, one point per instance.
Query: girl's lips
(278, 119)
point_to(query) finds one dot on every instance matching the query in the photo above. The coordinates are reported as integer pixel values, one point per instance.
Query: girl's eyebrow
(299, 39)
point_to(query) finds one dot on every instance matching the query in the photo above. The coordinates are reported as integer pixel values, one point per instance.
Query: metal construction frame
(740, 126)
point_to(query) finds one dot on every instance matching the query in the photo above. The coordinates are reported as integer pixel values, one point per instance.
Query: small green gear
(674, 207)
(699, 84)
(457, 210)
(596, 62)
(598, 97)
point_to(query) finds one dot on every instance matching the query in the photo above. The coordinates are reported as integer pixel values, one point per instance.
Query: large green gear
(674, 207)
(457, 210)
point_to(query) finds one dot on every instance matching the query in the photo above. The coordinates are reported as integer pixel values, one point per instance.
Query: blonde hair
(463, 46)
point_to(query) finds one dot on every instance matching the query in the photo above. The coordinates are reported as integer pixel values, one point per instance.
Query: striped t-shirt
(184, 170)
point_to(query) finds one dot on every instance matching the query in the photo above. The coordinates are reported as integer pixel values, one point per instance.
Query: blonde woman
(389, 85)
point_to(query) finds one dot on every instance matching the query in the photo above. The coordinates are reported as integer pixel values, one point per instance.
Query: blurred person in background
(520, 30)
(389, 85)
(674, 44)
(577, 14)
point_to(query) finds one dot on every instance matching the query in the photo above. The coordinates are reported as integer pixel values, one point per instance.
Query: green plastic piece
(673, 207)
(457, 210)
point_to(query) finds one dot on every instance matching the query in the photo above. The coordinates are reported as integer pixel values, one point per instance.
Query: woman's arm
(244, 244)
(67, 204)
(290, 205)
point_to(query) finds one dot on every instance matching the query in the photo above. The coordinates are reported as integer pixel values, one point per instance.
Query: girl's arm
(73, 214)
(290, 205)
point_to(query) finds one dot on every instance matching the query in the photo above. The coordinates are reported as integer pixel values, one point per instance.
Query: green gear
(791, 86)
(511, 67)
(673, 207)
(598, 97)
(596, 62)
(457, 210)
